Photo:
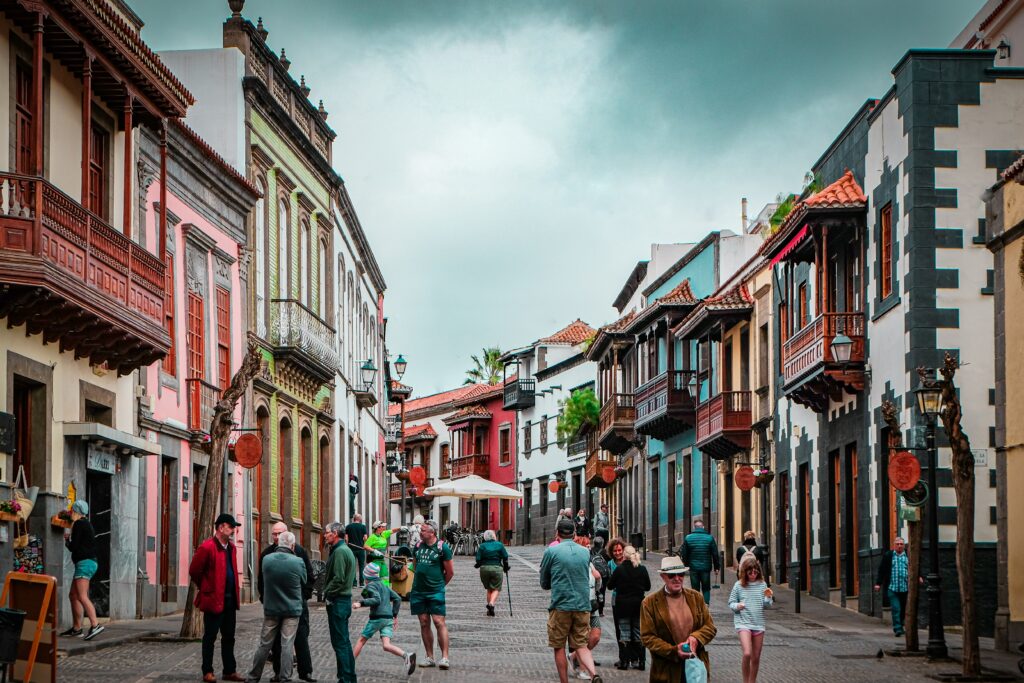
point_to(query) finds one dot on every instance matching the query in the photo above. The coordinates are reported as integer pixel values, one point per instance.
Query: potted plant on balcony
(580, 411)
(763, 477)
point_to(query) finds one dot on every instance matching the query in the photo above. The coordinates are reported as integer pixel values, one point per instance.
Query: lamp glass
(929, 399)
(400, 365)
(842, 346)
(369, 372)
(1003, 50)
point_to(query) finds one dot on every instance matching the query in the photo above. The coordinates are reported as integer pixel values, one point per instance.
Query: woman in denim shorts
(81, 541)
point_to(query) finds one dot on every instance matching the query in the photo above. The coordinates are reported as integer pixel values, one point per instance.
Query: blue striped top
(751, 617)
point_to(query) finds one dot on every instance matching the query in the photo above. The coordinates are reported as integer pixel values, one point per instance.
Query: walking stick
(508, 589)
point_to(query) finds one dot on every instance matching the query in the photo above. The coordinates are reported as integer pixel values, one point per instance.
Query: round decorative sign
(418, 475)
(553, 486)
(608, 474)
(904, 471)
(745, 478)
(248, 450)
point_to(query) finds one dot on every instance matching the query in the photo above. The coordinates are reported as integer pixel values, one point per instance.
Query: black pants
(223, 623)
(361, 561)
(303, 660)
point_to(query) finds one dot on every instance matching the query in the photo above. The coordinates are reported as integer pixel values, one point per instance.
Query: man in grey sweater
(283, 575)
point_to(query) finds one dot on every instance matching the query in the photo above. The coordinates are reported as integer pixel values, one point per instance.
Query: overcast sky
(511, 161)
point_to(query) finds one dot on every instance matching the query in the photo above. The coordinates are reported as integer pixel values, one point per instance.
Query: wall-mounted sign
(904, 470)
(184, 489)
(980, 458)
(99, 461)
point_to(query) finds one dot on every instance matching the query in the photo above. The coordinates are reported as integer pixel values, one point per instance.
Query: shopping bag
(24, 494)
(694, 671)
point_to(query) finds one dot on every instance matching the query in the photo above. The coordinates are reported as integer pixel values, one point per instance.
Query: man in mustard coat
(672, 618)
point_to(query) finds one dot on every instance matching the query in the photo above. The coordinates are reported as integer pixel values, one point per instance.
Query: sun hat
(672, 565)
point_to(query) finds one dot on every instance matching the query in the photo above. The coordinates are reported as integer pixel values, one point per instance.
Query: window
(544, 433)
(261, 261)
(885, 252)
(304, 274)
(195, 339)
(283, 290)
(24, 145)
(445, 458)
(98, 172)
(543, 497)
(169, 363)
(321, 296)
(527, 438)
(762, 356)
(505, 446)
(801, 302)
(223, 337)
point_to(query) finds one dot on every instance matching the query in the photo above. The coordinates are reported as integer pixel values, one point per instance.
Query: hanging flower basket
(62, 520)
(763, 477)
(403, 475)
(9, 510)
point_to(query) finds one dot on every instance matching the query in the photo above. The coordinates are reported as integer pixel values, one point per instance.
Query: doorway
(655, 494)
(98, 495)
(785, 537)
(670, 501)
(805, 528)
(165, 531)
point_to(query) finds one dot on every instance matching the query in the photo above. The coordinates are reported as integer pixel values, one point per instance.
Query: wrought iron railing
(293, 325)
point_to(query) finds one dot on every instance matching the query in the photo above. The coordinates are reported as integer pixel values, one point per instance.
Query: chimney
(743, 215)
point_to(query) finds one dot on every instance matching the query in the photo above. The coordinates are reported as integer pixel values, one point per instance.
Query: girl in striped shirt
(748, 598)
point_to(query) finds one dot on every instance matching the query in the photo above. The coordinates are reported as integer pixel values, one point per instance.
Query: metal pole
(936, 637)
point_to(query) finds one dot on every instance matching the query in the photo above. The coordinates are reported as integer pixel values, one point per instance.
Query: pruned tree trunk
(962, 462)
(914, 532)
(220, 432)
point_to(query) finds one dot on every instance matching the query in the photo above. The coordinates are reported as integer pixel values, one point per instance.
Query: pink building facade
(208, 205)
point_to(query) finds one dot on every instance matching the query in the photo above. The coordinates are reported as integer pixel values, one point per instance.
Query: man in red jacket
(214, 570)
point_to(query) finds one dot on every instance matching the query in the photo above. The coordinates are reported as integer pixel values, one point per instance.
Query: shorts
(427, 603)
(573, 627)
(751, 631)
(383, 626)
(85, 569)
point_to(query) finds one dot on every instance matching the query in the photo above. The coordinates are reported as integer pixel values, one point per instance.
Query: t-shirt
(356, 533)
(427, 561)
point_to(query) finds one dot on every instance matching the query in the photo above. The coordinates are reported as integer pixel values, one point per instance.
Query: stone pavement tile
(804, 647)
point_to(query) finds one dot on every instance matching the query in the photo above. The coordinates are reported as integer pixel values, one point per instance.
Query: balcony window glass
(283, 290)
(304, 274)
(321, 295)
(98, 168)
(505, 446)
(195, 340)
(223, 337)
(169, 363)
(24, 145)
(802, 305)
(261, 261)
(445, 458)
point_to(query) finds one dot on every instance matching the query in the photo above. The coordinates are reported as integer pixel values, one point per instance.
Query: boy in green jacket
(384, 605)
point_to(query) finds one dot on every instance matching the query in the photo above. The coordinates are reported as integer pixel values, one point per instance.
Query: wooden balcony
(593, 472)
(723, 424)
(615, 431)
(202, 398)
(519, 394)
(301, 336)
(395, 490)
(810, 375)
(665, 406)
(477, 464)
(68, 275)
(582, 445)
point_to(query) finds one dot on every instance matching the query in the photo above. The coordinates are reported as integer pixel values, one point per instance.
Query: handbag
(24, 494)
(694, 671)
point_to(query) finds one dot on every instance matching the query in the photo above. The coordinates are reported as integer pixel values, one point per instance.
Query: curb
(115, 640)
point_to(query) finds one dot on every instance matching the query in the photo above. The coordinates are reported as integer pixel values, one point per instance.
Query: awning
(102, 435)
(793, 243)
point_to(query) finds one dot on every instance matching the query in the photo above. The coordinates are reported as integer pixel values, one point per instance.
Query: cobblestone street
(822, 644)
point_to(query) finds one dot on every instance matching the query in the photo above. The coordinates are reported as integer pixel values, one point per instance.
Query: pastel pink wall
(500, 474)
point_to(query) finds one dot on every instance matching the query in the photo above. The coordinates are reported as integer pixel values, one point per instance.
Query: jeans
(361, 561)
(274, 628)
(628, 628)
(701, 581)
(898, 602)
(338, 612)
(303, 660)
(223, 623)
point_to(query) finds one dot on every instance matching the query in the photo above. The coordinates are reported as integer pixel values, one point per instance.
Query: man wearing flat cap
(215, 572)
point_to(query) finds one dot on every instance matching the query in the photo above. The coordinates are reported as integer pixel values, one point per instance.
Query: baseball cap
(566, 528)
(225, 518)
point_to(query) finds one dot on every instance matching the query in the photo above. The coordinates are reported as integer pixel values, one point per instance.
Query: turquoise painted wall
(700, 270)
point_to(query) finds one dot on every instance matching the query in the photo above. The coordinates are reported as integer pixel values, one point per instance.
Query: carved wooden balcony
(598, 462)
(68, 275)
(810, 375)
(302, 337)
(665, 405)
(519, 394)
(395, 490)
(466, 465)
(392, 431)
(615, 431)
(723, 424)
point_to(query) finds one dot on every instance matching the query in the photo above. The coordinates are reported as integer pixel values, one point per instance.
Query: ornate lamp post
(929, 403)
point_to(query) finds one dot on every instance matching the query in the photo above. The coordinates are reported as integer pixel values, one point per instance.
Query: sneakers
(71, 633)
(410, 663)
(93, 632)
(597, 679)
(490, 610)
(427, 663)
(443, 664)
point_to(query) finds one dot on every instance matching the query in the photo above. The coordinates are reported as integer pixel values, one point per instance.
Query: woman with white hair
(81, 541)
(492, 561)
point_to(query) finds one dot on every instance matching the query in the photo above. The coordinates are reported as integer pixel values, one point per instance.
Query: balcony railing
(723, 423)
(88, 263)
(665, 405)
(202, 398)
(392, 429)
(298, 330)
(594, 470)
(477, 463)
(395, 490)
(615, 425)
(519, 394)
(810, 349)
(582, 446)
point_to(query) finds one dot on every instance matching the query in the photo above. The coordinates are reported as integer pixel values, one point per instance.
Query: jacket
(666, 666)
(491, 553)
(750, 547)
(884, 575)
(209, 570)
(341, 572)
(300, 552)
(699, 551)
(285, 576)
(630, 585)
(82, 542)
(583, 526)
(565, 571)
(384, 602)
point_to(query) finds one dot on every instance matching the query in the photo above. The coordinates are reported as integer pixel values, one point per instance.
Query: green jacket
(341, 572)
(699, 551)
(283, 576)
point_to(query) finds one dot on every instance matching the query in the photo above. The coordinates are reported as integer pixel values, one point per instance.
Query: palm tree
(486, 371)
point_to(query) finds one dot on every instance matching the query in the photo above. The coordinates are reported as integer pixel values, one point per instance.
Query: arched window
(340, 314)
(261, 261)
(283, 288)
(321, 296)
(304, 273)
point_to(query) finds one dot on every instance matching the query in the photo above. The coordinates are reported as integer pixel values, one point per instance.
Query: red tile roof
(434, 399)
(681, 294)
(421, 431)
(469, 412)
(620, 324)
(844, 193)
(574, 333)
(398, 386)
(1015, 171)
(736, 297)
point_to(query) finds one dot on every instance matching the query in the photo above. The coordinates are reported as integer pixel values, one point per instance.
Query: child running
(748, 598)
(384, 605)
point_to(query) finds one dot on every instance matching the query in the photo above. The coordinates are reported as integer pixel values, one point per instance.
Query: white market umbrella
(473, 487)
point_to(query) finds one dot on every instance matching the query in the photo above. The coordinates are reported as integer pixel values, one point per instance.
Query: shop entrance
(98, 495)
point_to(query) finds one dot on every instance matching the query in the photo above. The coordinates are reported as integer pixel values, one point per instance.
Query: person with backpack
(750, 545)
(384, 605)
(433, 570)
(600, 562)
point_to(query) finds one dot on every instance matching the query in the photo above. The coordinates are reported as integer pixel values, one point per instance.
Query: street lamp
(369, 372)
(842, 346)
(400, 365)
(929, 403)
(1003, 49)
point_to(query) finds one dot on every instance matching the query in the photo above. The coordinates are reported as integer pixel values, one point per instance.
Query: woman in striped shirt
(748, 598)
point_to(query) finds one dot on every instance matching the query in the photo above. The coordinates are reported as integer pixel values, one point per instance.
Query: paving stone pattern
(797, 647)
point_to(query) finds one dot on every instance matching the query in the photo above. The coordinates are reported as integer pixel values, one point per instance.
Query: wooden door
(24, 144)
(853, 523)
(785, 536)
(98, 172)
(835, 505)
(165, 531)
(805, 528)
(670, 501)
